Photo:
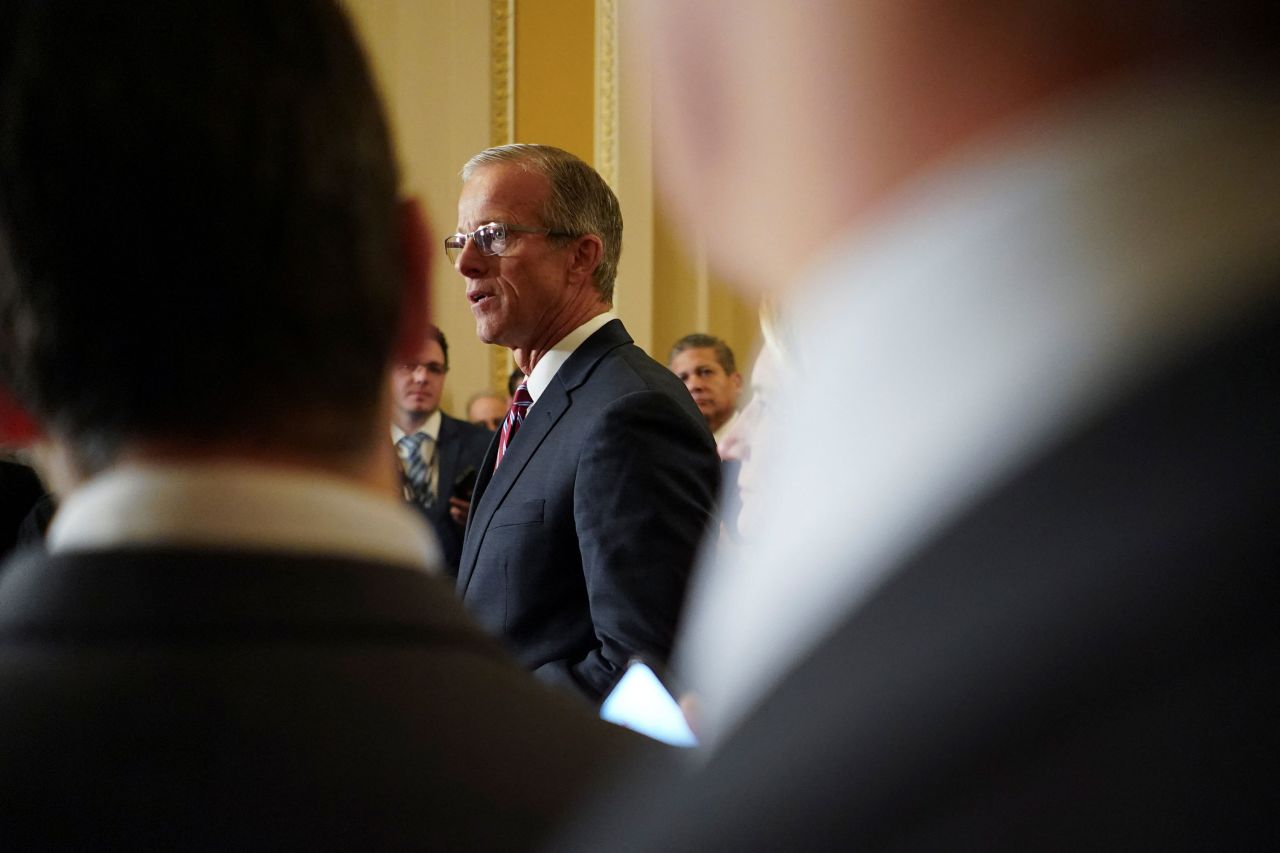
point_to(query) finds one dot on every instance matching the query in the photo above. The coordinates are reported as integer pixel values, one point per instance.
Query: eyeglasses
(491, 239)
(435, 368)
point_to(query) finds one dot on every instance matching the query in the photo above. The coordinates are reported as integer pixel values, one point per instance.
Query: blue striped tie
(415, 466)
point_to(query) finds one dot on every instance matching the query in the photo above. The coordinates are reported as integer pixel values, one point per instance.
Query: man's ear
(415, 301)
(17, 428)
(588, 251)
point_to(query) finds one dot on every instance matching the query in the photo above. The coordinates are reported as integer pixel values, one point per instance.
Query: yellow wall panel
(555, 74)
(675, 287)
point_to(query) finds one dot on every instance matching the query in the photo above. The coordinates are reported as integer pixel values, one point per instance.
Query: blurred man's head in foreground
(774, 153)
(202, 244)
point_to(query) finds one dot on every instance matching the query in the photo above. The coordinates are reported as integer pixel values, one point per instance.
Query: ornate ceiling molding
(502, 19)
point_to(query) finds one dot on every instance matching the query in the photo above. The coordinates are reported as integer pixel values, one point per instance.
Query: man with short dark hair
(705, 364)
(591, 504)
(235, 642)
(439, 455)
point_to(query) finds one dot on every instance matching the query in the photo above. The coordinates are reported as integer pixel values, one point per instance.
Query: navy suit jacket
(579, 547)
(184, 699)
(459, 446)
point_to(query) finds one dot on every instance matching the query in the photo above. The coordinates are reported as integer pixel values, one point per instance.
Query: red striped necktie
(520, 404)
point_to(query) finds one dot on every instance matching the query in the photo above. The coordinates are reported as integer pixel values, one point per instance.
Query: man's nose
(420, 373)
(472, 262)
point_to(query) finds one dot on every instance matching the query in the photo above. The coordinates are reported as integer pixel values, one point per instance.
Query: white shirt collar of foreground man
(1000, 300)
(545, 370)
(240, 507)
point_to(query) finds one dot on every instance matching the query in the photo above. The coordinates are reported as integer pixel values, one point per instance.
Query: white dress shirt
(547, 367)
(725, 427)
(997, 302)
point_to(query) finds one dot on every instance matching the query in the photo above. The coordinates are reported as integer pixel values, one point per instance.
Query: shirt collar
(720, 434)
(431, 426)
(547, 367)
(240, 506)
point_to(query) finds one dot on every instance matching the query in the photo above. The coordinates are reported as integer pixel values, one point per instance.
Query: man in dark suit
(591, 504)
(439, 455)
(235, 642)
(1018, 590)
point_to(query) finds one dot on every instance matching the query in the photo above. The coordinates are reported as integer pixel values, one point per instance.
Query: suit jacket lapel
(549, 408)
(492, 487)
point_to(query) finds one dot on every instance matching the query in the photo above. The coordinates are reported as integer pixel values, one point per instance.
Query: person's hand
(458, 511)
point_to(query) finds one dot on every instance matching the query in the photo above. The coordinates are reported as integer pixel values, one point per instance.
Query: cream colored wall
(573, 82)
(432, 62)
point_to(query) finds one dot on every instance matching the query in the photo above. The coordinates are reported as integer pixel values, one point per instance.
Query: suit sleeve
(646, 485)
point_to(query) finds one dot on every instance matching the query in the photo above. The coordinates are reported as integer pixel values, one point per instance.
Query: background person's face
(715, 391)
(487, 412)
(417, 386)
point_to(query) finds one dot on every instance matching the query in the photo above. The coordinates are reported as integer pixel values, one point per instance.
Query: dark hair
(199, 204)
(697, 340)
(435, 334)
(579, 202)
(513, 381)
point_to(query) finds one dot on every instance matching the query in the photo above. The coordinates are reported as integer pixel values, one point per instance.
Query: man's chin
(487, 334)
